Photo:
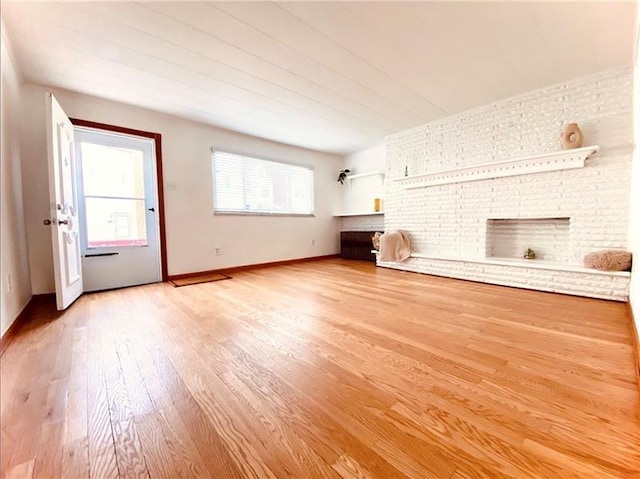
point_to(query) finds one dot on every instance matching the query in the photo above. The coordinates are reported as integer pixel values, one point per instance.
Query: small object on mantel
(529, 254)
(572, 137)
(609, 260)
(376, 205)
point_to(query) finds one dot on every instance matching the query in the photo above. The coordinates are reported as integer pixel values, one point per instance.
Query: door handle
(46, 222)
(63, 222)
(151, 209)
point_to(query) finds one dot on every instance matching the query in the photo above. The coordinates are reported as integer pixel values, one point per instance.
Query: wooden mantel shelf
(560, 160)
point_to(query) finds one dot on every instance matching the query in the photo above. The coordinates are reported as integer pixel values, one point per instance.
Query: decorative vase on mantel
(529, 254)
(572, 137)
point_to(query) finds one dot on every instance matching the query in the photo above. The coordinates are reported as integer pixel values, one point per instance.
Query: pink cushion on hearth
(609, 260)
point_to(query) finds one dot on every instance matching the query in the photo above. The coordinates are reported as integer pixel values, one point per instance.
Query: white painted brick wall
(451, 220)
(581, 284)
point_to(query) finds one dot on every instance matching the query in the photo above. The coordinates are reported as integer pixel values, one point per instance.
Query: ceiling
(335, 77)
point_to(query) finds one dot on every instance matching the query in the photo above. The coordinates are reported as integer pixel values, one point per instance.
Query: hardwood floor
(325, 369)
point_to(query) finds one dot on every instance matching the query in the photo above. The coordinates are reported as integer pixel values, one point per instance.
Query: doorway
(120, 206)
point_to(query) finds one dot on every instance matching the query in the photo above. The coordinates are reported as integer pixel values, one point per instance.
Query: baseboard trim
(635, 342)
(23, 318)
(235, 269)
(17, 324)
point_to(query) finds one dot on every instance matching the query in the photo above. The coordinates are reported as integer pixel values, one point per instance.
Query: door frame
(157, 139)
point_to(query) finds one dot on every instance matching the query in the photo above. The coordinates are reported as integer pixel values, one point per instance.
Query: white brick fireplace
(549, 238)
(486, 184)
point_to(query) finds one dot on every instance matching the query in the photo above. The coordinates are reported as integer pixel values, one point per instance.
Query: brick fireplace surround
(459, 229)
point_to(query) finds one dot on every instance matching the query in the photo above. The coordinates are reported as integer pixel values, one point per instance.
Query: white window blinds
(253, 186)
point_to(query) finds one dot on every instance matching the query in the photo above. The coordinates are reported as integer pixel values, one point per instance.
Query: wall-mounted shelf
(370, 213)
(560, 160)
(379, 173)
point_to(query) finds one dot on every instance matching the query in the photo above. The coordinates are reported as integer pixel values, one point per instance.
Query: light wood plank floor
(323, 369)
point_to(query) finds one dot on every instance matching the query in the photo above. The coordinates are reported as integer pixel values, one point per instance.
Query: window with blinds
(248, 185)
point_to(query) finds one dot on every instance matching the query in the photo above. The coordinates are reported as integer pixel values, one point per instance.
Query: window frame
(157, 140)
(260, 213)
(112, 139)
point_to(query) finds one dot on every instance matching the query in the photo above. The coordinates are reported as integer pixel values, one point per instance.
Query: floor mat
(205, 278)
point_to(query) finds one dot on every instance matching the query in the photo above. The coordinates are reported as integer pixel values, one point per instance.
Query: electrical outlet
(313, 242)
(218, 251)
(9, 283)
(170, 185)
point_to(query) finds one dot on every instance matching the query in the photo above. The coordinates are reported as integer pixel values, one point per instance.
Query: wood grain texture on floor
(326, 369)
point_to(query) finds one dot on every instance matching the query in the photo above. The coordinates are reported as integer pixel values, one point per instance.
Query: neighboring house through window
(246, 185)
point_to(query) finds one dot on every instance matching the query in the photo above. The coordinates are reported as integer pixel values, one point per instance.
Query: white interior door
(64, 205)
(118, 209)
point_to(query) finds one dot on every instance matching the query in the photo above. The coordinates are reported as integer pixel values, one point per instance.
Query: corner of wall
(7, 47)
(357, 196)
(15, 280)
(634, 210)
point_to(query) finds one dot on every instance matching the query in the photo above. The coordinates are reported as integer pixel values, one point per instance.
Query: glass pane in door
(115, 222)
(112, 171)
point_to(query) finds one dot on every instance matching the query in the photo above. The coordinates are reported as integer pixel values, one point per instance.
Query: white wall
(15, 289)
(357, 195)
(634, 218)
(193, 232)
(450, 221)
